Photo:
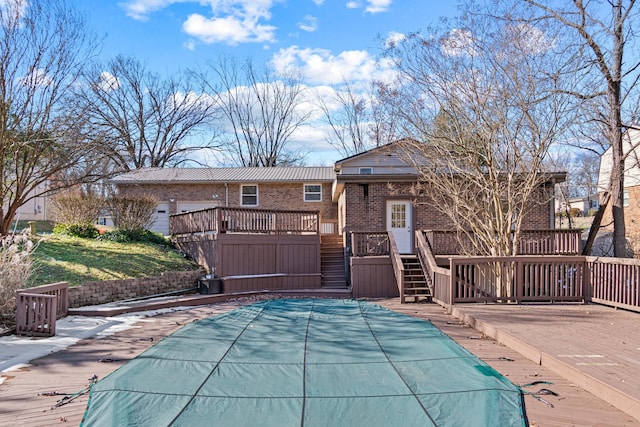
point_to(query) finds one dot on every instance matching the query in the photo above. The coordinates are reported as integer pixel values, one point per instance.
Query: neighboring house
(585, 204)
(631, 192)
(37, 208)
(376, 190)
(186, 189)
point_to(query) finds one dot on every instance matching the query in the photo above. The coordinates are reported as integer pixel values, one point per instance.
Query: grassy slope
(60, 258)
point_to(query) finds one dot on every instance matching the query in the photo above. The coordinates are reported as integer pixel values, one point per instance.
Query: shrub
(76, 208)
(132, 214)
(142, 236)
(85, 231)
(15, 270)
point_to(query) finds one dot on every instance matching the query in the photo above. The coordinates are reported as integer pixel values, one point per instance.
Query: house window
(625, 200)
(398, 216)
(249, 195)
(366, 171)
(313, 193)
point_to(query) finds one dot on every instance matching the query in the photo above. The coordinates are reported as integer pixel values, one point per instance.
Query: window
(313, 193)
(366, 171)
(625, 198)
(249, 195)
(398, 216)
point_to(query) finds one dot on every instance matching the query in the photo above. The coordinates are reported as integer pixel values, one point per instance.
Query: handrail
(440, 277)
(398, 266)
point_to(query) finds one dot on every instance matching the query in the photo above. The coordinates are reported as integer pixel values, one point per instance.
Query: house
(377, 191)
(585, 204)
(188, 189)
(631, 191)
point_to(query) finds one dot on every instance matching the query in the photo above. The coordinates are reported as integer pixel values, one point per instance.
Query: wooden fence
(615, 282)
(244, 220)
(37, 309)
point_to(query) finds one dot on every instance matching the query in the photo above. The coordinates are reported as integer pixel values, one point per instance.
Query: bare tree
(475, 100)
(355, 119)
(142, 119)
(600, 38)
(261, 112)
(43, 46)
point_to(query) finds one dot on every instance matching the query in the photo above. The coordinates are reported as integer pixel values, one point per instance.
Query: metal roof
(239, 174)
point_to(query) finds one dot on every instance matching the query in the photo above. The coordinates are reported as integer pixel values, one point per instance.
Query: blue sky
(328, 39)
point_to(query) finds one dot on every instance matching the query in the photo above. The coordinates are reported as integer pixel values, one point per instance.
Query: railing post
(586, 281)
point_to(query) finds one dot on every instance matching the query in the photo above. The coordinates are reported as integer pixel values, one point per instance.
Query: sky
(330, 40)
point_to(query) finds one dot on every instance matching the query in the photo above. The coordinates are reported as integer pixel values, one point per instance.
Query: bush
(15, 270)
(84, 231)
(76, 208)
(132, 213)
(142, 236)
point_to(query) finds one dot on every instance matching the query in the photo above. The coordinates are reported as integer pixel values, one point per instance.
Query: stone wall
(93, 293)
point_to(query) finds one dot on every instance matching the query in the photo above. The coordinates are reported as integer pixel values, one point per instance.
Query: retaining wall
(92, 293)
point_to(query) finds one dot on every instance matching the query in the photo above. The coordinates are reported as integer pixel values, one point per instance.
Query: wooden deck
(568, 333)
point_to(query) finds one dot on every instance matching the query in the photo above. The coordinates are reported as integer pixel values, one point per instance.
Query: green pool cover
(306, 363)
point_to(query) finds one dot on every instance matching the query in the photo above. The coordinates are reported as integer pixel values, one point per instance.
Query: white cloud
(394, 38)
(320, 66)
(372, 6)
(190, 45)
(376, 6)
(228, 29)
(309, 23)
(108, 82)
(230, 21)
(318, 2)
(141, 9)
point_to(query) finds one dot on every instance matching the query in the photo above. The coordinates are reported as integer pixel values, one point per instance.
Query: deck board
(556, 329)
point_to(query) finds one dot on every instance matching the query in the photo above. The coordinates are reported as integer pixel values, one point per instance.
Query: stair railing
(439, 277)
(398, 266)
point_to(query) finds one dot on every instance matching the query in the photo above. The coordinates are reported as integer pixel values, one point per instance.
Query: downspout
(226, 195)
(552, 207)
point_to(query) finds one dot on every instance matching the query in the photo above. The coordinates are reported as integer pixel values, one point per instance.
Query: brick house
(631, 192)
(376, 190)
(188, 189)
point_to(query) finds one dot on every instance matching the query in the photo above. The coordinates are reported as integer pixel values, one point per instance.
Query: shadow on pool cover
(306, 362)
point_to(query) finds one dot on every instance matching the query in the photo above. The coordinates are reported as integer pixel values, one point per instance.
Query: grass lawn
(74, 260)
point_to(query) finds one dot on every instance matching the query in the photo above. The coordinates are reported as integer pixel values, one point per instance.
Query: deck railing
(369, 243)
(532, 242)
(615, 282)
(244, 220)
(38, 308)
(398, 266)
(440, 277)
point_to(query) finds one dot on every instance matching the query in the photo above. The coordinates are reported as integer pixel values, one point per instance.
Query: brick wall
(286, 196)
(365, 206)
(93, 293)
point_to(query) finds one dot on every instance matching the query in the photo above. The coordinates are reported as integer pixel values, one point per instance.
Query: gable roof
(238, 174)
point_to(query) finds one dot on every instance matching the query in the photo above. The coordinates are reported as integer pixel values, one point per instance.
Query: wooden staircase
(332, 262)
(416, 285)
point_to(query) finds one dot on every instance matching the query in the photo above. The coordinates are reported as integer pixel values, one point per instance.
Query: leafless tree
(475, 101)
(261, 111)
(600, 39)
(43, 46)
(355, 119)
(143, 119)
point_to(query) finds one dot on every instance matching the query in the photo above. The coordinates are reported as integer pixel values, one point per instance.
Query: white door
(399, 224)
(160, 223)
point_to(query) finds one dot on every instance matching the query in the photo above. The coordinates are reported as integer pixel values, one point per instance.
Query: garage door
(160, 222)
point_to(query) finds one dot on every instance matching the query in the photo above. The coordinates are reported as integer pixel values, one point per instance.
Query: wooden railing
(329, 226)
(244, 220)
(532, 242)
(37, 309)
(440, 277)
(374, 243)
(615, 282)
(398, 266)
(518, 279)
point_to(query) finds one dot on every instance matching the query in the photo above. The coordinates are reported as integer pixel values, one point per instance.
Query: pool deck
(571, 348)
